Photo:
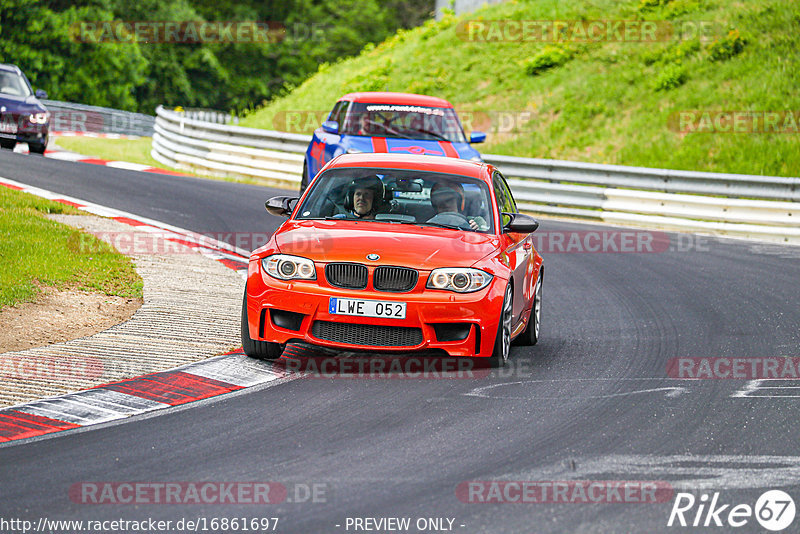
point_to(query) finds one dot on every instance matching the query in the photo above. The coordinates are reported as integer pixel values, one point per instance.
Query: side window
(339, 112)
(505, 202)
(334, 111)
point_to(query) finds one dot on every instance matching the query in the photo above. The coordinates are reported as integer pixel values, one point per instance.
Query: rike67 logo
(774, 510)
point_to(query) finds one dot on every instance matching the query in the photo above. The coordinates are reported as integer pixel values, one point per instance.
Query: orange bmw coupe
(397, 253)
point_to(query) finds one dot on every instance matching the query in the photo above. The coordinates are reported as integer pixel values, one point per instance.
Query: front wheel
(37, 148)
(7, 144)
(262, 350)
(502, 342)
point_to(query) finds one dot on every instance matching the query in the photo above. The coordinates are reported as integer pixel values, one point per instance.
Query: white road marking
(681, 471)
(128, 166)
(481, 392)
(768, 389)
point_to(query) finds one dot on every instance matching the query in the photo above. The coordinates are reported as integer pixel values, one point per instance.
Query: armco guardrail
(760, 207)
(218, 149)
(208, 115)
(72, 117)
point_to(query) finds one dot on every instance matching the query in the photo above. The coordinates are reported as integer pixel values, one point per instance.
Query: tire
(502, 342)
(37, 148)
(7, 144)
(262, 350)
(304, 180)
(531, 334)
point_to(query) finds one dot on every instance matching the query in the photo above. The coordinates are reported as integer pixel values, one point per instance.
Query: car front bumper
(458, 324)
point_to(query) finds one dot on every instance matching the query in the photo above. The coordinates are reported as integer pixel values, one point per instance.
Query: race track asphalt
(592, 401)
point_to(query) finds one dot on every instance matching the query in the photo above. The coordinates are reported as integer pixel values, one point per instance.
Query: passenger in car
(448, 198)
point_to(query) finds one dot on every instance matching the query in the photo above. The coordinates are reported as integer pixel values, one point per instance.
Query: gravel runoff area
(191, 311)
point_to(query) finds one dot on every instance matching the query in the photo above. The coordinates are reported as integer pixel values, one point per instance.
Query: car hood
(419, 247)
(411, 146)
(19, 104)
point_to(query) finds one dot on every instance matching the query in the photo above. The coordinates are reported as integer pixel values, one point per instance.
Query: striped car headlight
(460, 280)
(286, 267)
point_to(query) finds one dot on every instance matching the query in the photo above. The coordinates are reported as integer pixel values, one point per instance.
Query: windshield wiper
(438, 225)
(434, 134)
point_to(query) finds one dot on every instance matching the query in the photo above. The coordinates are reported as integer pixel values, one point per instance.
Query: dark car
(23, 118)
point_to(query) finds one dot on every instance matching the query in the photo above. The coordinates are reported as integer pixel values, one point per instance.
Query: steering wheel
(452, 218)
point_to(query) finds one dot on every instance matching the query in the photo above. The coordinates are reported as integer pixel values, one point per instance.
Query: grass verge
(137, 151)
(39, 252)
(608, 101)
(130, 150)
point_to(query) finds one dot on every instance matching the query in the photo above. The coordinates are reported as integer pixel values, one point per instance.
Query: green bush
(672, 76)
(547, 58)
(649, 5)
(727, 47)
(682, 7)
(369, 79)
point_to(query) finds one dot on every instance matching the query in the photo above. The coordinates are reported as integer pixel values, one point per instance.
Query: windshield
(404, 122)
(400, 196)
(12, 83)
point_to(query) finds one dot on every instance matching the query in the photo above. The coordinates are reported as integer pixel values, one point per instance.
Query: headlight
(38, 118)
(285, 267)
(460, 280)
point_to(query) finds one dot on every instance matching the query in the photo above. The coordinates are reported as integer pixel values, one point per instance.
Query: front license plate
(7, 125)
(367, 308)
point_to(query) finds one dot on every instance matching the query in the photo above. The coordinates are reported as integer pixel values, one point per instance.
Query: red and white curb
(147, 393)
(65, 155)
(79, 158)
(94, 134)
(118, 400)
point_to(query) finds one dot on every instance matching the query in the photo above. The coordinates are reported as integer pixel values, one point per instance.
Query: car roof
(409, 99)
(474, 169)
(10, 68)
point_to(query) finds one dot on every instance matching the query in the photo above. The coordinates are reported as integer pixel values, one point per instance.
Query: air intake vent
(394, 279)
(346, 275)
(367, 334)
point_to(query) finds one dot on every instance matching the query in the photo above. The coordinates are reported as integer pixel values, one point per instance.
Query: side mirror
(520, 223)
(331, 127)
(477, 137)
(281, 206)
(40, 93)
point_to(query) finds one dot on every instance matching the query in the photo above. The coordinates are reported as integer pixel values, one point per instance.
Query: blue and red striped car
(393, 123)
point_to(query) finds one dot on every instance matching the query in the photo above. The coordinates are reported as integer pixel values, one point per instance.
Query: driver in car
(364, 197)
(448, 200)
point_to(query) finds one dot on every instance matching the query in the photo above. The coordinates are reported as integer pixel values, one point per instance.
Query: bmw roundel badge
(373, 257)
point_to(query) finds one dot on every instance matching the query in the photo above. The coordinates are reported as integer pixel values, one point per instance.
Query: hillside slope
(613, 100)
